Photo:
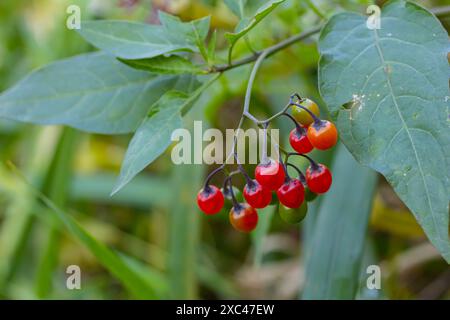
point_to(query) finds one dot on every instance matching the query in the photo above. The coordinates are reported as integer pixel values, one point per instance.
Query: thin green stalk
(56, 186)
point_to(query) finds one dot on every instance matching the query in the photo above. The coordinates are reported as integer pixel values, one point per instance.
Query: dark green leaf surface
(398, 120)
(132, 40)
(91, 92)
(336, 246)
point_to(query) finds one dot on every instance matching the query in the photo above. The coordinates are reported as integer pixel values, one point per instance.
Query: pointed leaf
(131, 40)
(152, 137)
(92, 92)
(154, 134)
(396, 80)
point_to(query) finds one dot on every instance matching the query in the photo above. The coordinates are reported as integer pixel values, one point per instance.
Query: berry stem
(285, 169)
(244, 173)
(314, 164)
(264, 159)
(210, 176)
(301, 176)
(236, 204)
(297, 125)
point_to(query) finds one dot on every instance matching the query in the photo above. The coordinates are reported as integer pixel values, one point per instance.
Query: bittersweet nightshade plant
(386, 90)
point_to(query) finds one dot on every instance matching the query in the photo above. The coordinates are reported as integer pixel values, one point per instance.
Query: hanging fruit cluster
(271, 176)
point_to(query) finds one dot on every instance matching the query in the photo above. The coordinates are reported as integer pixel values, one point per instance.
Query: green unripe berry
(293, 215)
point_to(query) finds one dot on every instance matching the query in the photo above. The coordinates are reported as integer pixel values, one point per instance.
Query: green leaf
(397, 121)
(195, 32)
(334, 255)
(251, 13)
(55, 186)
(165, 65)
(131, 40)
(92, 92)
(153, 135)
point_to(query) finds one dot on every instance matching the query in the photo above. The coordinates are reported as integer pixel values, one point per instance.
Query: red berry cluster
(271, 176)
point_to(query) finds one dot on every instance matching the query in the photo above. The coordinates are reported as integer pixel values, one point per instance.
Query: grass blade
(334, 259)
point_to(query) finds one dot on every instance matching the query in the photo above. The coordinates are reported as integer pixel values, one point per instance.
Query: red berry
(322, 135)
(270, 175)
(291, 193)
(318, 178)
(210, 199)
(243, 217)
(299, 141)
(257, 196)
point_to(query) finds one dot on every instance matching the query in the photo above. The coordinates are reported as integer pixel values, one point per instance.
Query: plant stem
(270, 50)
(314, 165)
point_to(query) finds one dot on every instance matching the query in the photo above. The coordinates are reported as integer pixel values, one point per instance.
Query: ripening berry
(292, 193)
(210, 199)
(256, 195)
(302, 116)
(270, 175)
(318, 178)
(322, 135)
(243, 217)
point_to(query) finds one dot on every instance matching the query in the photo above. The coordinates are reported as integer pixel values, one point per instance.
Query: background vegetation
(149, 240)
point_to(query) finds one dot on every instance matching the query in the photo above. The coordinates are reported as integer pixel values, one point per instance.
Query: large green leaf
(397, 122)
(333, 259)
(91, 92)
(153, 135)
(251, 13)
(132, 40)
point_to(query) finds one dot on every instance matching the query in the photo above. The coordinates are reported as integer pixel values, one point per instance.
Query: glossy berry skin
(271, 175)
(322, 135)
(243, 217)
(210, 200)
(293, 215)
(256, 195)
(303, 116)
(291, 194)
(299, 141)
(318, 179)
